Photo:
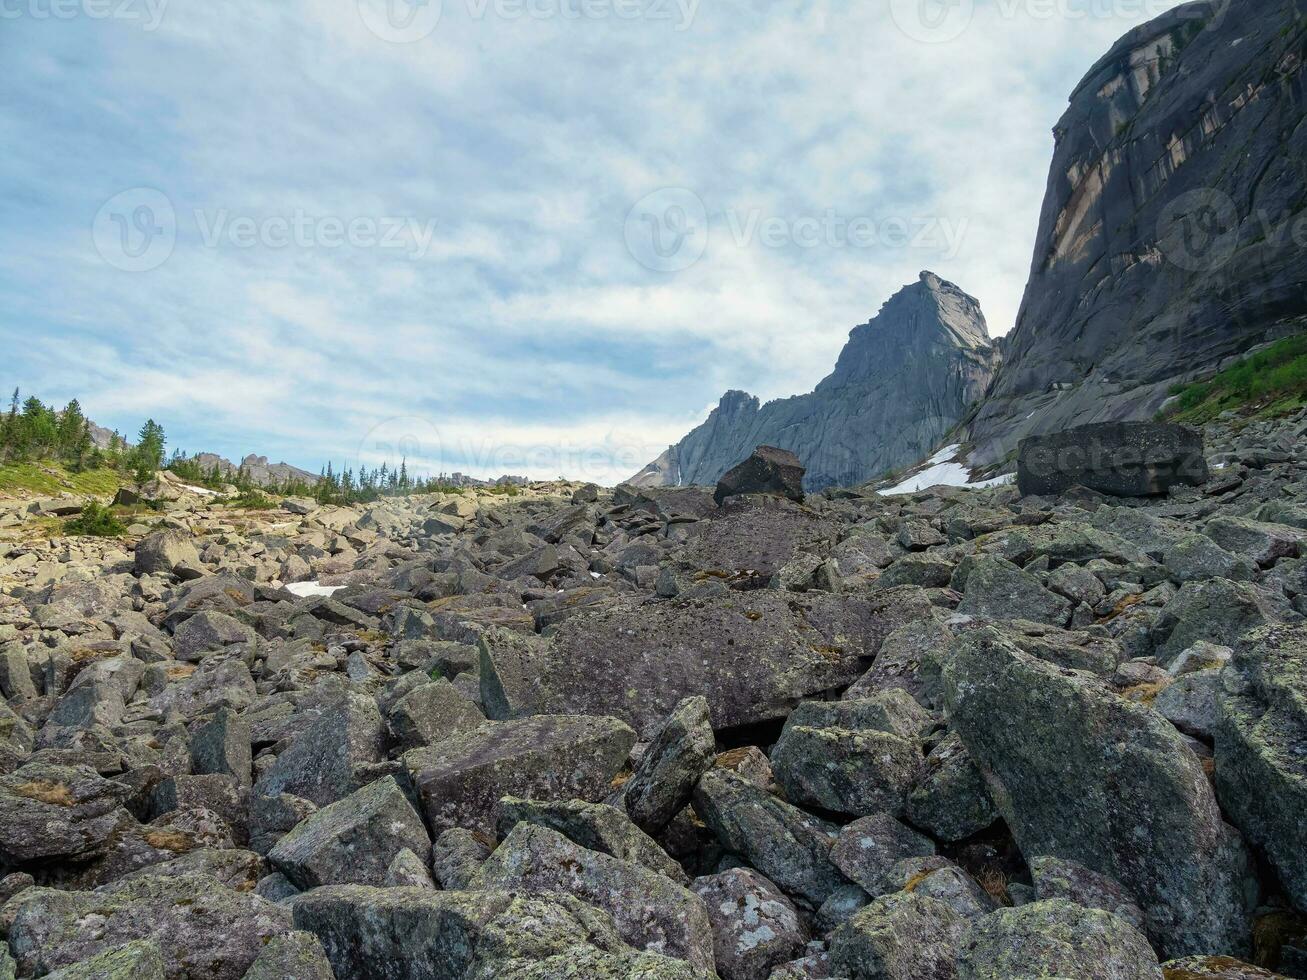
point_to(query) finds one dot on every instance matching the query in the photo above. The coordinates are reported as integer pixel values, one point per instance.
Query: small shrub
(1272, 382)
(95, 521)
(252, 499)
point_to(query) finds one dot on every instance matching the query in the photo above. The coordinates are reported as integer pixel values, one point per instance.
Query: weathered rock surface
(902, 381)
(553, 757)
(1081, 774)
(681, 752)
(755, 927)
(650, 911)
(767, 470)
(904, 936)
(1123, 459)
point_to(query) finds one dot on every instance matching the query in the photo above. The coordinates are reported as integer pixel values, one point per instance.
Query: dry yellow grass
(44, 791)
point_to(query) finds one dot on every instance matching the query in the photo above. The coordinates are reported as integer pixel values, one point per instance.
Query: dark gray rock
(431, 713)
(51, 812)
(552, 757)
(221, 744)
(208, 633)
(901, 383)
(595, 826)
(951, 801)
(326, 762)
(899, 937)
(767, 470)
(790, 847)
(202, 928)
(998, 589)
(353, 841)
(1078, 772)
(1056, 878)
(1217, 611)
(650, 911)
(755, 927)
(868, 850)
(456, 857)
(138, 960)
(663, 782)
(168, 553)
(293, 956)
(1123, 459)
(1056, 938)
(1261, 765)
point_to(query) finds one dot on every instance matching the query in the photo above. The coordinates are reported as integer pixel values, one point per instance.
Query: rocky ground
(632, 733)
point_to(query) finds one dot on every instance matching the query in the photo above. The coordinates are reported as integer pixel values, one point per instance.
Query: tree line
(33, 432)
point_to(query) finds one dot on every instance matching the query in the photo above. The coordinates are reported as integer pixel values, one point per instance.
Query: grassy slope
(50, 479)
(1270, 383)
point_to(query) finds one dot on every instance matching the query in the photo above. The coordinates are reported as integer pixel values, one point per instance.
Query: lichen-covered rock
(1056, 878)
(293, 956)
(1190, 703)
(589, 963)
(755, 927)
(837, 757)
(167, 553)
(1217, 611)
(1056, 938)
(868, 849)
(591, 825)
(1082, 774)
(384, 933)
(767, 470)
(353, 841)
(681, 752)
(208, 633)
(951, 801)
(49, 812)
(324, 763)
(1257, 541)
(899, 937)
(1261, 748)
(998, 589)
(202, 928)
(551, 757)
(457, 856)
(790, 847)
(1215, 968)
(956, 889)
(650, 911)
(431, 713)
(138, 960)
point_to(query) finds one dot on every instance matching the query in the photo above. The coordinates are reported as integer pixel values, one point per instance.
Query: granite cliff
(1172, 231)
(902, 382)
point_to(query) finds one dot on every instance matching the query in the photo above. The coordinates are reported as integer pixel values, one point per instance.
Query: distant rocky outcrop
(903, 381)
(257, 469)
(1171, 232)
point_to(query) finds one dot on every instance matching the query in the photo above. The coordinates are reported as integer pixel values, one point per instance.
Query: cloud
(521, 137)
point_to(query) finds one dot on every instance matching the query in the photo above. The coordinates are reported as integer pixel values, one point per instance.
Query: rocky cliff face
(902, 382)
(1173, 232)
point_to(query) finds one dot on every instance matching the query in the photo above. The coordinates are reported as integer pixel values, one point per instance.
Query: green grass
(95, 521)
(1269, 384)
(51, 479)
(251, 499)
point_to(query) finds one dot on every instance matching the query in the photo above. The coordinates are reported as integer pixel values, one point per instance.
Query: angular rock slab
(352, 842)
(650, 911)
(1056, 938)
(1122, 459)
(322, 765)
(903, 936)
(753, 656)
(550, 757)
(1261, 749)
(1079, 773)
(663, 782)
(790, 847)
(384, 933)
(49, 812)
(767, 470)
(202, 928)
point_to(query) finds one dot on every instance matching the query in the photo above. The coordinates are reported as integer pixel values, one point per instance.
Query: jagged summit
(902, 382)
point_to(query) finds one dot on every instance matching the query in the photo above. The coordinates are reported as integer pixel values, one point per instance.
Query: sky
(538, 237)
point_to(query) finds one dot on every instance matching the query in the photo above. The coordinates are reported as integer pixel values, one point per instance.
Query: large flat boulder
(1123, 459)
(324, 763)
(548, 757)
(1082, 774)
(753, 656)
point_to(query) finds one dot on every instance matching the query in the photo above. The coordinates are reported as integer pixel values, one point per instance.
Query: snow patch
(306, 589)
(944, 470)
